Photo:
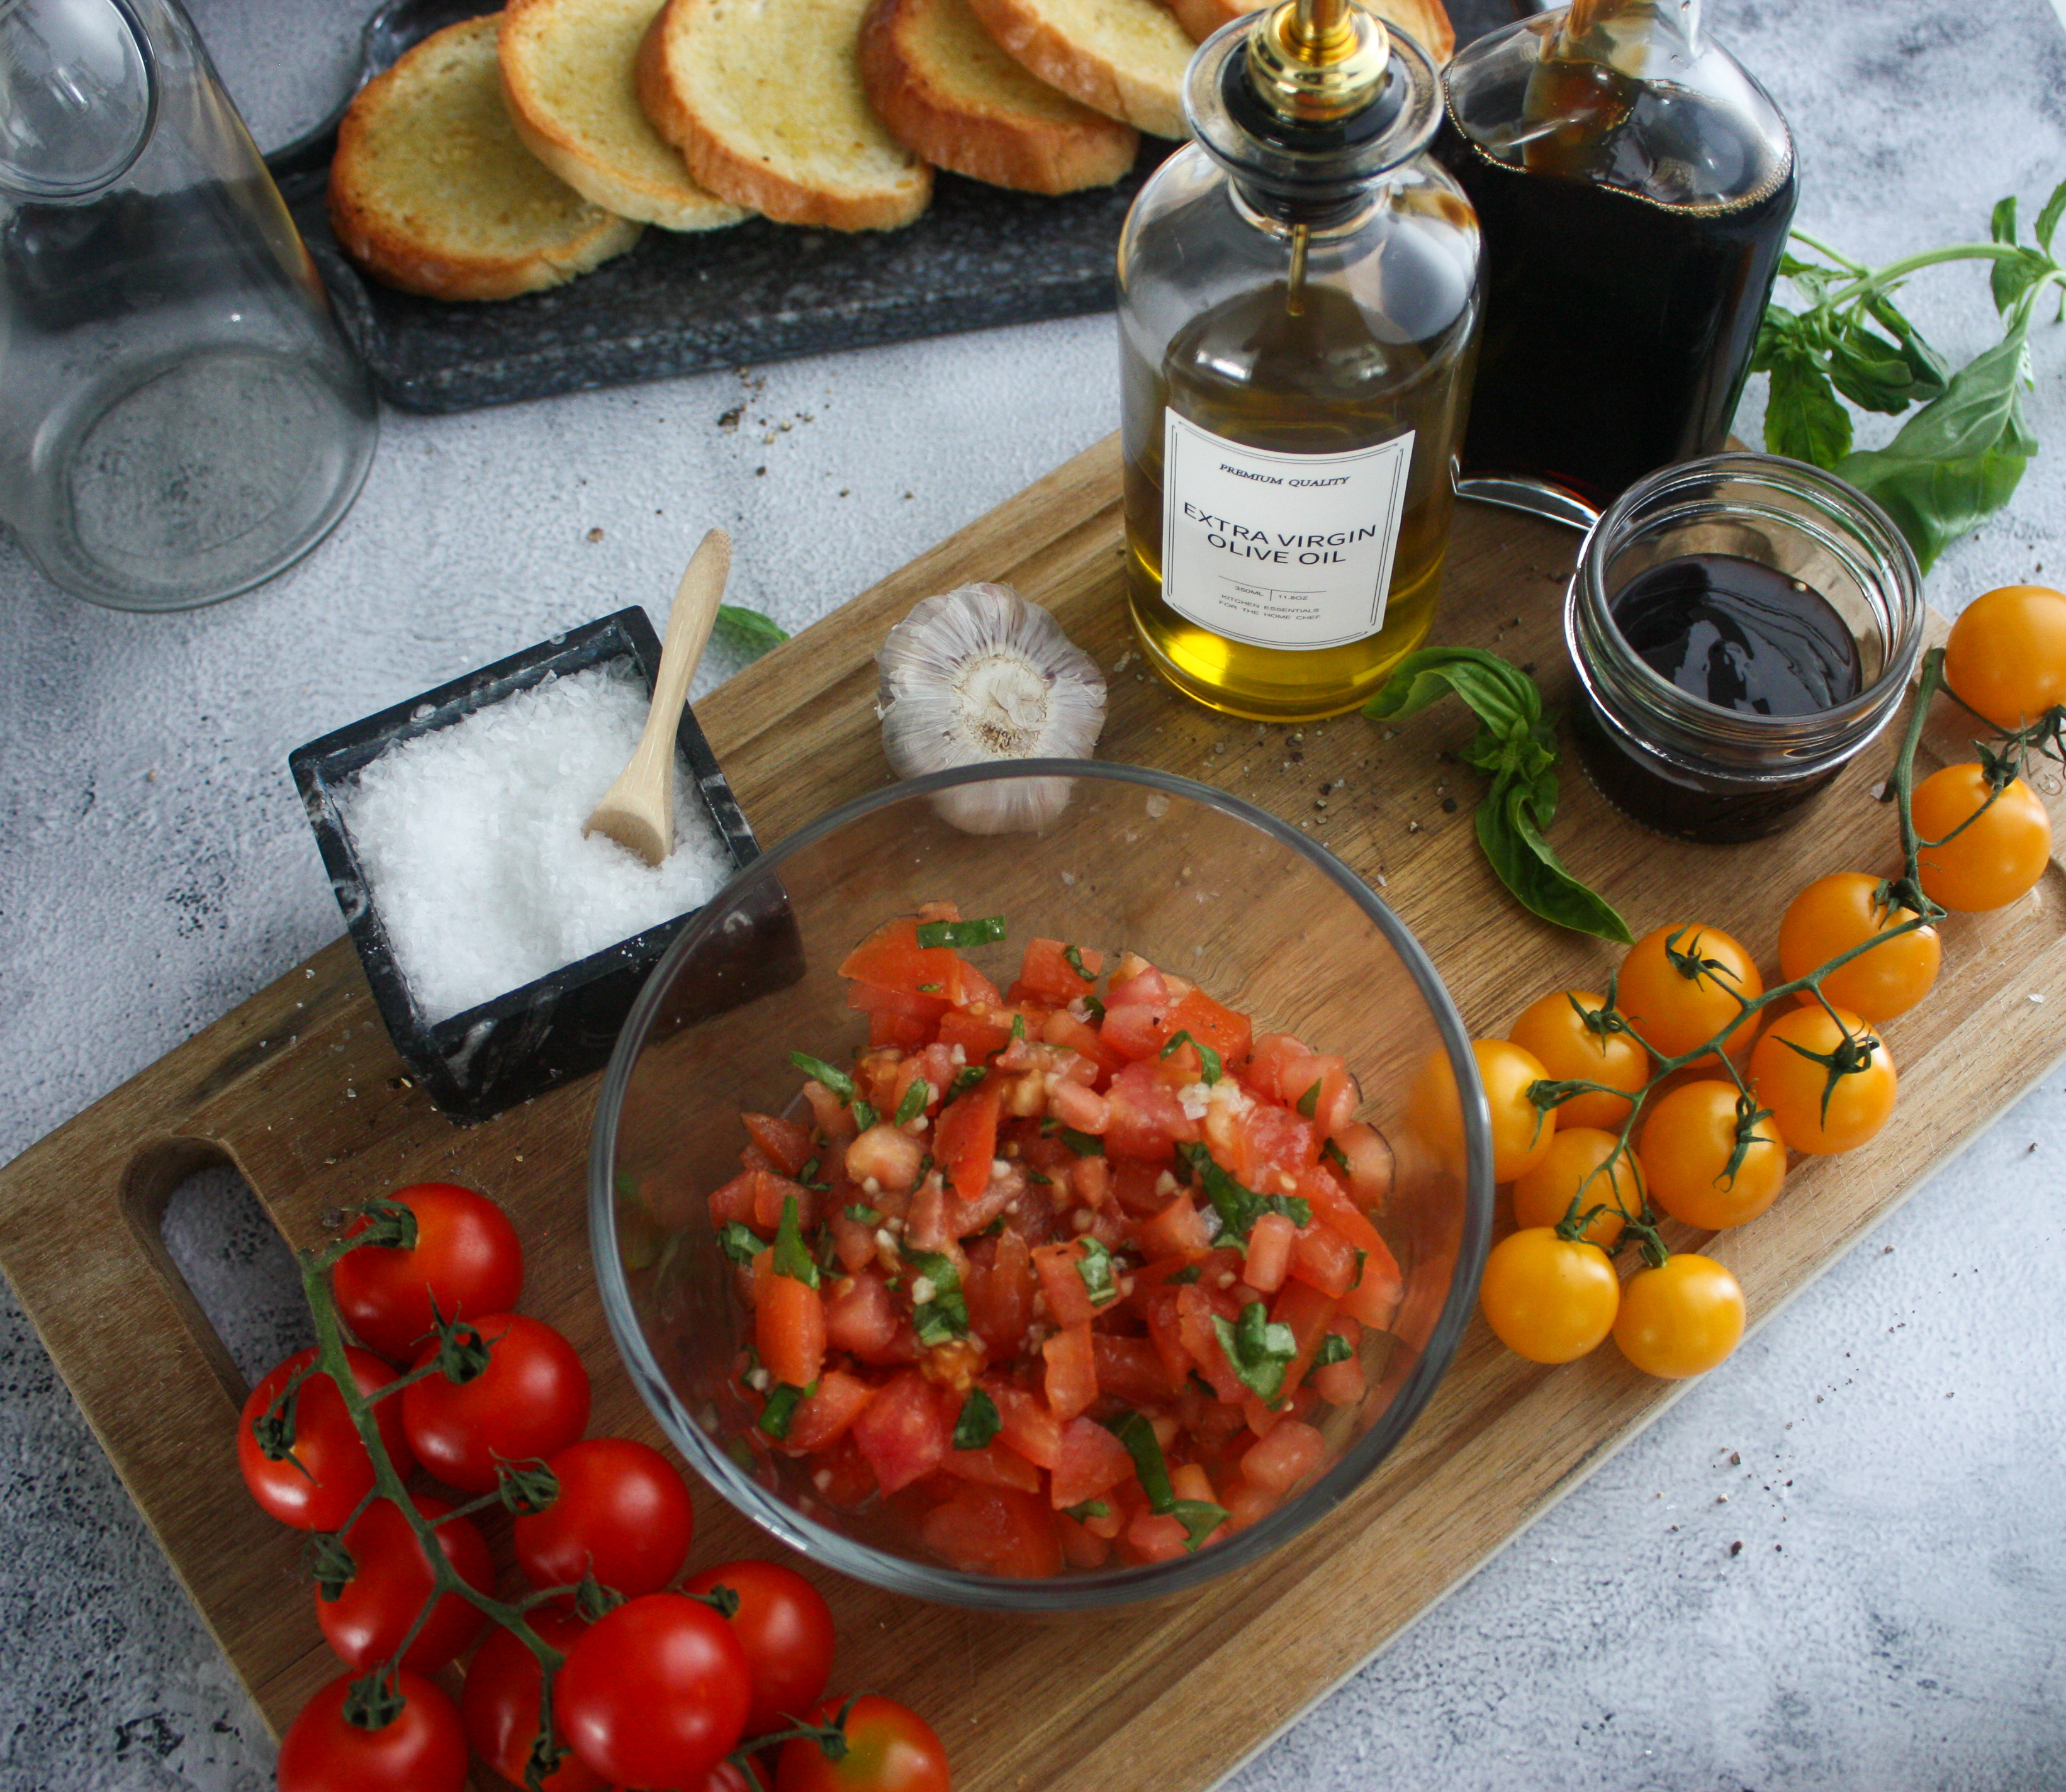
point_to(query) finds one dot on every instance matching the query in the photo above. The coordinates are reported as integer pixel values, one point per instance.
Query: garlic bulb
(979, 675)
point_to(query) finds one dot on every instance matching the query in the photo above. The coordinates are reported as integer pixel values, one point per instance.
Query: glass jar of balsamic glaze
(1742, 625)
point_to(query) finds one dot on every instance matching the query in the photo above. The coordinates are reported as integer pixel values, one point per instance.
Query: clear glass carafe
(1298, 311)
(1634, 185)
(183, 418)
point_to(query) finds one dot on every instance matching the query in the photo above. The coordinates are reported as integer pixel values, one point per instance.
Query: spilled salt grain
(471, 840)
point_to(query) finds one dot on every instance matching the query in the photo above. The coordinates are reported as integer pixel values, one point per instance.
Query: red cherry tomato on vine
(623, 1515)
(329, 1472)
(499, 1705)
(366, 1623)
(889, 1748)
(1680, 1319)
(1840, 911)
(785, 1627)
(2007, 656)
(1985, 861)
(655, 1694)
(1679, 987)
(466, 1255)
(531, 1401)
(423, 1749)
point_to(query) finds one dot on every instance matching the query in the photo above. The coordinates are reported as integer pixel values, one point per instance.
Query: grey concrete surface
(1887, 1450)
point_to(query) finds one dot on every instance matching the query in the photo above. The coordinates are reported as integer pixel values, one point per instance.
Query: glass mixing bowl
(1198, 881)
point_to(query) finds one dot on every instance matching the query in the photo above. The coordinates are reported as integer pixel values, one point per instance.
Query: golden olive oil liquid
(1313, 381)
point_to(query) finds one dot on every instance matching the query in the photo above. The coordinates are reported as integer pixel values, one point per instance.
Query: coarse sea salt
(471, 841)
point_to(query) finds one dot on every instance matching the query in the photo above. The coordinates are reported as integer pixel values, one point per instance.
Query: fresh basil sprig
(1960, 457)
(1516, 747)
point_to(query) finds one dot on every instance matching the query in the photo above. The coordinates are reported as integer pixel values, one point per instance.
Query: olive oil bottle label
(1278, 549)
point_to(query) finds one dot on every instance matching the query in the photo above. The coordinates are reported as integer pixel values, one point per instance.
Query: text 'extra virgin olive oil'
(1297, 313)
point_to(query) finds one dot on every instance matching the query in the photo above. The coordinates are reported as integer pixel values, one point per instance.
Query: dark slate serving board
(682, 304)
(677, 304)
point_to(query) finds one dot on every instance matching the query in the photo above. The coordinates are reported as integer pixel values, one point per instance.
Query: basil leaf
(1931, 371)
(740, 1243)
(1083, 1144)
(2047, 219)
(966, 1078)
(1073, 957)
(1871, 371)
(862, 1216)
(1515, 746)
(1096, 1010)
(1086, 1509)
(1309, 1103)
(747, 632)
(792, 1258)
(1802, 418)
(979, 1421)
(1207, 1057)
(1958, 459)
(913, 1103)
(943, 1315)
(864, 1113)
(840, 1084)
(1511, 838)
(1094, 1268)
(1334, 1348)
(781, 1408)
(1259, 1351)
(1018, 1027)
(1239, 1208)
(1190, 1272)
(959, 934)
(1200, 1518)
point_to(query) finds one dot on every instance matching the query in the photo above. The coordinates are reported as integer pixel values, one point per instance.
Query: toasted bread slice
(431, 191)
(1426, 22)
(1123, 58)
(938, 80)
(764, 99)
(570, 76)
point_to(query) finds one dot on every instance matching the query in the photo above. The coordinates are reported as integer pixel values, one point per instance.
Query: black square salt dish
(528, 1040)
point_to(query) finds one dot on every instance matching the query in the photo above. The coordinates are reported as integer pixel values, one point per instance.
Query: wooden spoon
(638, 811)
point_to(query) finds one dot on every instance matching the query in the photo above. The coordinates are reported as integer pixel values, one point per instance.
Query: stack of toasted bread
(512, 152)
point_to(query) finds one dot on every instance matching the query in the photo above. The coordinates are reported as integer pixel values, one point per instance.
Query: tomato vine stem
(2047, 734)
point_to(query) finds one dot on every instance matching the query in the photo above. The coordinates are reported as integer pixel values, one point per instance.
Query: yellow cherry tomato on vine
(2007, 656)
(1549, 1299)
(1689, 1137)
(1991, 862)
(1574, 1168)
(1829, 1080)
(1679, 988)
(1681, 1318)
(1845, 909)
(1575, 1046)
(1521, 1133)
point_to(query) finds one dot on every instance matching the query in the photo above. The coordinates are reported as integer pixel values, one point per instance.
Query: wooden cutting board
(299, 1089)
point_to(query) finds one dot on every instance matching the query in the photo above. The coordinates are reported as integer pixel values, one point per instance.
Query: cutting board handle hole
(223, 1264)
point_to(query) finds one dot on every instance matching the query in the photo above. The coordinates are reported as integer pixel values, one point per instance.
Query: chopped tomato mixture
(1062, 1280)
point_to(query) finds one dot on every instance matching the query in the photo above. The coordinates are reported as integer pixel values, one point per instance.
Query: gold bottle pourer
(1313, 62)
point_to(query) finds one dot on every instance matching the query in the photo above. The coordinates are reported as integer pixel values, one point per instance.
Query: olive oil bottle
(1299, 307)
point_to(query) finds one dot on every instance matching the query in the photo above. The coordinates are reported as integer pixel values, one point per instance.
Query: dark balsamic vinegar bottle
(1634, 185)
